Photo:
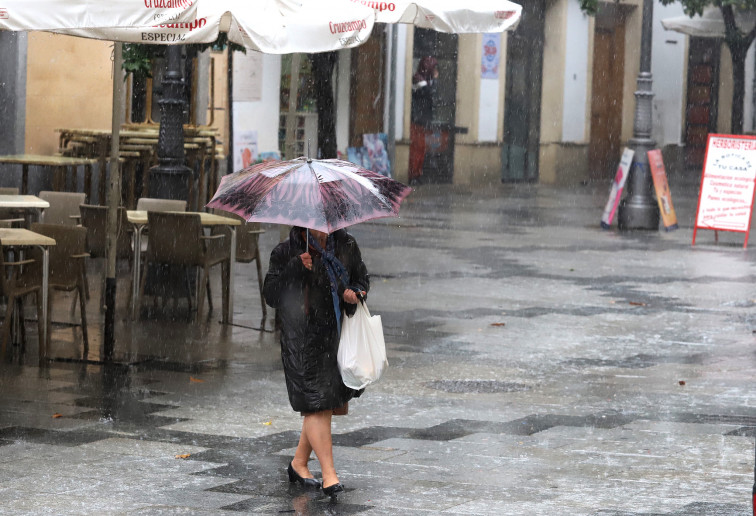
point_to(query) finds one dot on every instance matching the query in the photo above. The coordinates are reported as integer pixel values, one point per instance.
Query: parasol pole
(291, 123)
(112, 202)
(291, 116)
(307, 230)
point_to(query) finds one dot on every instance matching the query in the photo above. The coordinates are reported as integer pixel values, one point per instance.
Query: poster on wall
(372, 155)
(377, 156)
(663, 195)
(725, 201)
(358, 156)
(245, 149)
(490, 59)
(618, 184)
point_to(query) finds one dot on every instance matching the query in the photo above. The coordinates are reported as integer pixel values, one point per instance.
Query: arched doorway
(439, 148)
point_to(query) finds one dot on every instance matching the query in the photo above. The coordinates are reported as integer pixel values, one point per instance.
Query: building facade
(551, 102)
(562, 106)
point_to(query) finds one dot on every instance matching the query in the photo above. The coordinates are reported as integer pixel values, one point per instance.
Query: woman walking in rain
(311, 286)
(421, 114)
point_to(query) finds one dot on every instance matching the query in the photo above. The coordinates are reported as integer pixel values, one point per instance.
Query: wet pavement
(539, 365)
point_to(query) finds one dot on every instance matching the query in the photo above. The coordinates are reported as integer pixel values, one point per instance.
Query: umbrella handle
(307, 240)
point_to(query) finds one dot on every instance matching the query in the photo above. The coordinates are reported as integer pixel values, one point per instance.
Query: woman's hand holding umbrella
(349, 295)
(306, 260)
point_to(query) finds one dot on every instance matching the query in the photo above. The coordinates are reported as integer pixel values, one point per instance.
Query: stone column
(12, 92)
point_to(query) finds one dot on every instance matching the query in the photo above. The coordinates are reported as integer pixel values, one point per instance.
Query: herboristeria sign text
(727, 185)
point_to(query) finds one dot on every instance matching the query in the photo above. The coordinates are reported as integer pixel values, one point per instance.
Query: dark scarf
(336, 272)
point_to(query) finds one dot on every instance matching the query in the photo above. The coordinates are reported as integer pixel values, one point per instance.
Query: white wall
(575, 75)
(668, 64)
(259, 115)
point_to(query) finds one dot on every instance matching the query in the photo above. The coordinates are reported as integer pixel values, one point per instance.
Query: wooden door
(366, 95)
(606, 103)
(701, 103)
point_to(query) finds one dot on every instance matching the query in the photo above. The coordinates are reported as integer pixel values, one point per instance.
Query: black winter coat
(309, 334)
(421, 109)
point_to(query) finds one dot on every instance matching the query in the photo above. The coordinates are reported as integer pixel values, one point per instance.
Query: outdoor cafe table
(139, 219)
(23, 202)
(18, 237)
(100, 138)
(59, 164)
(201, 141)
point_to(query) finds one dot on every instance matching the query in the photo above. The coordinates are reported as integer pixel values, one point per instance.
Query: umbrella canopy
(453, 16)
(21, 15)
(324, 195)
(270, 26)
(710, 24)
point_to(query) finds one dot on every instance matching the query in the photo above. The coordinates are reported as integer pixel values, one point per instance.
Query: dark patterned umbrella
(324, 195)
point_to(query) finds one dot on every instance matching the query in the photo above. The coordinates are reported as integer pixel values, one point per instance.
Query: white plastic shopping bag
(362, 350)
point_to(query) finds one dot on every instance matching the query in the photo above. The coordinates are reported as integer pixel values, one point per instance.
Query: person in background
(421, 114)
(311, 285)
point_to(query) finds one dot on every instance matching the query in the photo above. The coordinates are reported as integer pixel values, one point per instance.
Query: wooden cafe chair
(18, 279)
(94, 219)
(247, 246)
(177, 239)
(67, 273)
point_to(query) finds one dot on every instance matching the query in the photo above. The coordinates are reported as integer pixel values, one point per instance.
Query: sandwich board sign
(725, 201)
(615, 193)
(663, 195)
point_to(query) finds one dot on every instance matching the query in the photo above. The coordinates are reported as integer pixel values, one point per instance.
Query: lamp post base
(638, 216)
(639, 209)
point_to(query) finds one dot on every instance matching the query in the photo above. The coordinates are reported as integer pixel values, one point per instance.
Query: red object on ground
(417, 150)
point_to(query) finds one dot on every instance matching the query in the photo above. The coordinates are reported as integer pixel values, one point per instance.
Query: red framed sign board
(725, 200)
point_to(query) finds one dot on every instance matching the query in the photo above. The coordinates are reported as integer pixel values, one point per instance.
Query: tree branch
(731, 29)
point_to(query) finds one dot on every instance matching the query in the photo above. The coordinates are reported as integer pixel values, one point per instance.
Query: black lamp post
(639, 210)
(170, 178)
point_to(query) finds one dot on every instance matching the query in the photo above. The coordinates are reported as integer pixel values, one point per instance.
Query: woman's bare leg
(302, 455)
(317, 426)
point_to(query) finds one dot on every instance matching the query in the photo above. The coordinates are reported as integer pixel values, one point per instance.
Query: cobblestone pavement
(539, 365)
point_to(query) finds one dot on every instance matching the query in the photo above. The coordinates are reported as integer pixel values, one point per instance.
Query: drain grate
(476, 386)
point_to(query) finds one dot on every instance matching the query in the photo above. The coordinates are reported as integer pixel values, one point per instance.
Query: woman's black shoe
(307, 482)
(333, 490)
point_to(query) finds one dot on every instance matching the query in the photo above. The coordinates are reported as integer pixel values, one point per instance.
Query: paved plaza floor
(539, 365)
